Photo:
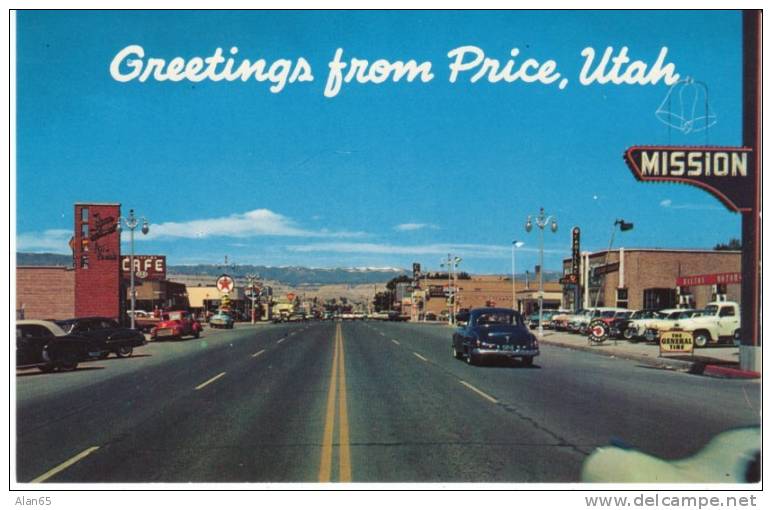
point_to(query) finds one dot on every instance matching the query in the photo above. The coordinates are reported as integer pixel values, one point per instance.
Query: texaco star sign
(225, 284)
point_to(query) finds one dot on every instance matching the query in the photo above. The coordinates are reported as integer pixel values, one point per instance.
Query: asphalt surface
(355, 401)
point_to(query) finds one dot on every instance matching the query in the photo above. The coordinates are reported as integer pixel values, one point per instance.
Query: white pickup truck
(719, 322)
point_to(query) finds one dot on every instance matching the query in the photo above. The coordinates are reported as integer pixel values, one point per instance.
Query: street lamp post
(252, 278)
(451, 263)
(541, 221)
(131, 223)
(515, 244)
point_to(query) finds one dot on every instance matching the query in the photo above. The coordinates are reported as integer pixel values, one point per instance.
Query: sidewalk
(719, 361)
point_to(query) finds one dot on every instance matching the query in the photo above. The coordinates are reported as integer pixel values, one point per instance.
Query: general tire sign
(678, 342)
(727, 173)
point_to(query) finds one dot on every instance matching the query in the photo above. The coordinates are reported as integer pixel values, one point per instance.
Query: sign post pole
(750, 337)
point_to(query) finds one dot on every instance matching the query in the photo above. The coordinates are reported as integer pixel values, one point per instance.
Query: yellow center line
(337, 386)
(64, 465)
(210, 381)
(325, 467)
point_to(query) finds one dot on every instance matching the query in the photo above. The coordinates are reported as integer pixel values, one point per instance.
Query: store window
(659, 299)
(622, 298)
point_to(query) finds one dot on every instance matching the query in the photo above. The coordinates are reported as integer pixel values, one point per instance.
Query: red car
(176, 325)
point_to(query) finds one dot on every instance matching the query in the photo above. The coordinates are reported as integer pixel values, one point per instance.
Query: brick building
(96, 247)
(489, 290)
(655, 278)
(45, 292)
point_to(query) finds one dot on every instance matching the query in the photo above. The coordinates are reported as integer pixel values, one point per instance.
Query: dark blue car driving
(491, 333)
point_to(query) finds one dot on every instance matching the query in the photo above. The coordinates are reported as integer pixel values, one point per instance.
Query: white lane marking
(395, 341)
(64, 465)
(280, 340)
(382, 333)
(481, 393)
(258, 353)
(419, 356)
(210, 381)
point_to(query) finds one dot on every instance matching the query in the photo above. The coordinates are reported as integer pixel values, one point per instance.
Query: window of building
(84, 214)
(622, 298)
(658, 299)
(84, 261)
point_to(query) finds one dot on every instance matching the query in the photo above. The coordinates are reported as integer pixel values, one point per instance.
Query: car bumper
(500, 353)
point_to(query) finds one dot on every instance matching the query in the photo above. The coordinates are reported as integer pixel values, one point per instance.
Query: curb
(729, 372)
(675, 364)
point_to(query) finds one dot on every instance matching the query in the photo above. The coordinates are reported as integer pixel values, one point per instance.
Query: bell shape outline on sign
(686, 107)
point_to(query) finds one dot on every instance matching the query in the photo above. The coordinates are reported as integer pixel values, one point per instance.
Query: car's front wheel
(528, 361)
(472, 359)
(456, 354)
(67, 363)
(701, 339)
(124, 351)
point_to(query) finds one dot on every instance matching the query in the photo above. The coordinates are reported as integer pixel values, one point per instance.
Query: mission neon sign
(725, 172)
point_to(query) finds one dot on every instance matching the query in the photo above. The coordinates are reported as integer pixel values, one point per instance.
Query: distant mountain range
(289, 275)
(292, 275)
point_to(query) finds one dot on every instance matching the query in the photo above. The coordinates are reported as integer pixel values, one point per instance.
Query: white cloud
(668, 204)
(259, 222)
(407, 227)
(469, 250)
(53, 240)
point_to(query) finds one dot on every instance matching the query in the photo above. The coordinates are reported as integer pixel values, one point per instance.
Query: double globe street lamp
(132, 222)
(541, 221)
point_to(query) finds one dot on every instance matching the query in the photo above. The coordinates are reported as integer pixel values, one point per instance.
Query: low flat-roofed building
(639, 278)
(45, 292)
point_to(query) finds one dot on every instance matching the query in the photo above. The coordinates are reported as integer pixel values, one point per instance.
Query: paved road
(355, 401)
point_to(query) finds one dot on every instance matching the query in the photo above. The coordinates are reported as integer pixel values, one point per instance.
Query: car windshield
(66, 325)
(623, 315)
(495, 318)
(711, 310)
(607, 314)
(675, 315)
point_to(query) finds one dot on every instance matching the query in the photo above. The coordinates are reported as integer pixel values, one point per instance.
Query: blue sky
(380, 175)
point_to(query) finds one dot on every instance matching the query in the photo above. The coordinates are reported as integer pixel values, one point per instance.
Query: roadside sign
(676, 342)
(569, 279)
(608, 268)
(291, 296)
(225, 283)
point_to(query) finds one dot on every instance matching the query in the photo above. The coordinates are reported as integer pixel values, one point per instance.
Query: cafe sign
(146, 267)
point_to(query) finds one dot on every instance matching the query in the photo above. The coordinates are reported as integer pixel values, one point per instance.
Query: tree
(392, 284)
(733, 244)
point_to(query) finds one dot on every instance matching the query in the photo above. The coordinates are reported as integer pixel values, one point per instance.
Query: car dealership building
(638, 278)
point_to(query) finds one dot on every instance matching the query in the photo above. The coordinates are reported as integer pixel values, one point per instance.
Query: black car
(45, 345)
(492, 333)
(106, 333)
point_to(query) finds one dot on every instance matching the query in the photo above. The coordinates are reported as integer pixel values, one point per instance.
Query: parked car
(176, 325)
(106, 335)
(639, 321)
(492, 333)
(46, 346)
(221, 320)
(296, 317)
(656, 326)
(718, 322)
(559, 321)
